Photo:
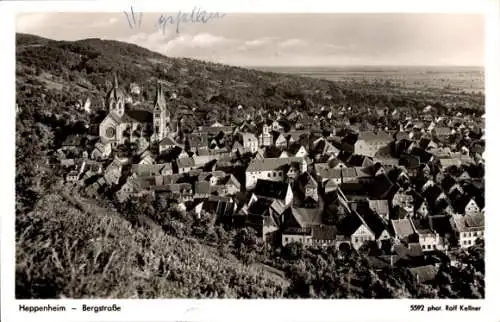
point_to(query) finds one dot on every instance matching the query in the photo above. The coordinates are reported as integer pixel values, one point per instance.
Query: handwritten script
(197, 16)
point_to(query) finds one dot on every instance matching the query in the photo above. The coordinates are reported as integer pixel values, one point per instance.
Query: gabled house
(295, 150)
(185, 165)
(468, 228)
(421, 207)
(275, 169)
(373, 221)
(167, 144)
(219, 207)
(356, 229)
(298, 224)
(281, 141)
(369, 143)
(102, 151)
(307, 189)
(428, 239)
(132, 187)
(249, 141)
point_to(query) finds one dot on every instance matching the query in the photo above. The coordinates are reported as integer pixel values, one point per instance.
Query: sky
(285, 39)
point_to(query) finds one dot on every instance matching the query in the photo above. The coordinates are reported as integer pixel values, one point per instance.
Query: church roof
(138, 115)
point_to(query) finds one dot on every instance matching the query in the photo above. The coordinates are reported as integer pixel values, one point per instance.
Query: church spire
(160, 98)
(115, 81)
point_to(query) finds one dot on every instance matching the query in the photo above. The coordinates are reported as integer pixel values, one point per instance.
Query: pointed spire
(115, 81)
(160, 98)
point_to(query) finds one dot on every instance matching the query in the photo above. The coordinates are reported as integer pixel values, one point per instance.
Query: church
(127, 122)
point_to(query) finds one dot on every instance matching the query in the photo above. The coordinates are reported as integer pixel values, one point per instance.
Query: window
(269, 175)
(434, 246)
(286, 239)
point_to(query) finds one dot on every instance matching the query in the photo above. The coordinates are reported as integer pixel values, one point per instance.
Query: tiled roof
(424, 273)
(272, 163)
(260, 206)
(372, 136)
(469, 222)
(402, 227)
(379, 206)
(150, 169)
(139, 116)
(307, 217)
(185, 162)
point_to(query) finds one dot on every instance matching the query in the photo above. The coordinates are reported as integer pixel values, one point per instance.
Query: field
(452, 79)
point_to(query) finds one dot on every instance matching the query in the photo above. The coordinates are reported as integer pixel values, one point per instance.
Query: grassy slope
(63, 252)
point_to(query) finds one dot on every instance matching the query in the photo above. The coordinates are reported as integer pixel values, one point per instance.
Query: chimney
(341, 174)
(392, 260)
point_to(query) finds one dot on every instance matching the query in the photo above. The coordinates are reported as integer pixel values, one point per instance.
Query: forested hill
(86, 67)
(57, 73)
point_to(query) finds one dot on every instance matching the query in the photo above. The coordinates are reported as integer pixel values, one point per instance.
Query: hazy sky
(287, 39)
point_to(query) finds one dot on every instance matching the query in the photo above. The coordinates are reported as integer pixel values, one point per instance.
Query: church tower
(115, 100)
(161, 116)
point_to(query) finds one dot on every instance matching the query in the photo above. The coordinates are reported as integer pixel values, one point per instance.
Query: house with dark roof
(354, 227)
(167, 144)
(219, 207)
(294, 150)
(373, 221)
(181, 192)
(428, 238)
(273, 190)
(307, 191)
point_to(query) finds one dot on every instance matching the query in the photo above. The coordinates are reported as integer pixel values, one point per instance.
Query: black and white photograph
(199, 154)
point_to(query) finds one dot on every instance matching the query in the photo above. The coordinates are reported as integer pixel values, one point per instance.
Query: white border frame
(239, 310)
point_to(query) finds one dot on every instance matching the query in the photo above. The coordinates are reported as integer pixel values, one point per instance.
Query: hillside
(213, 91)
(99, 255)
